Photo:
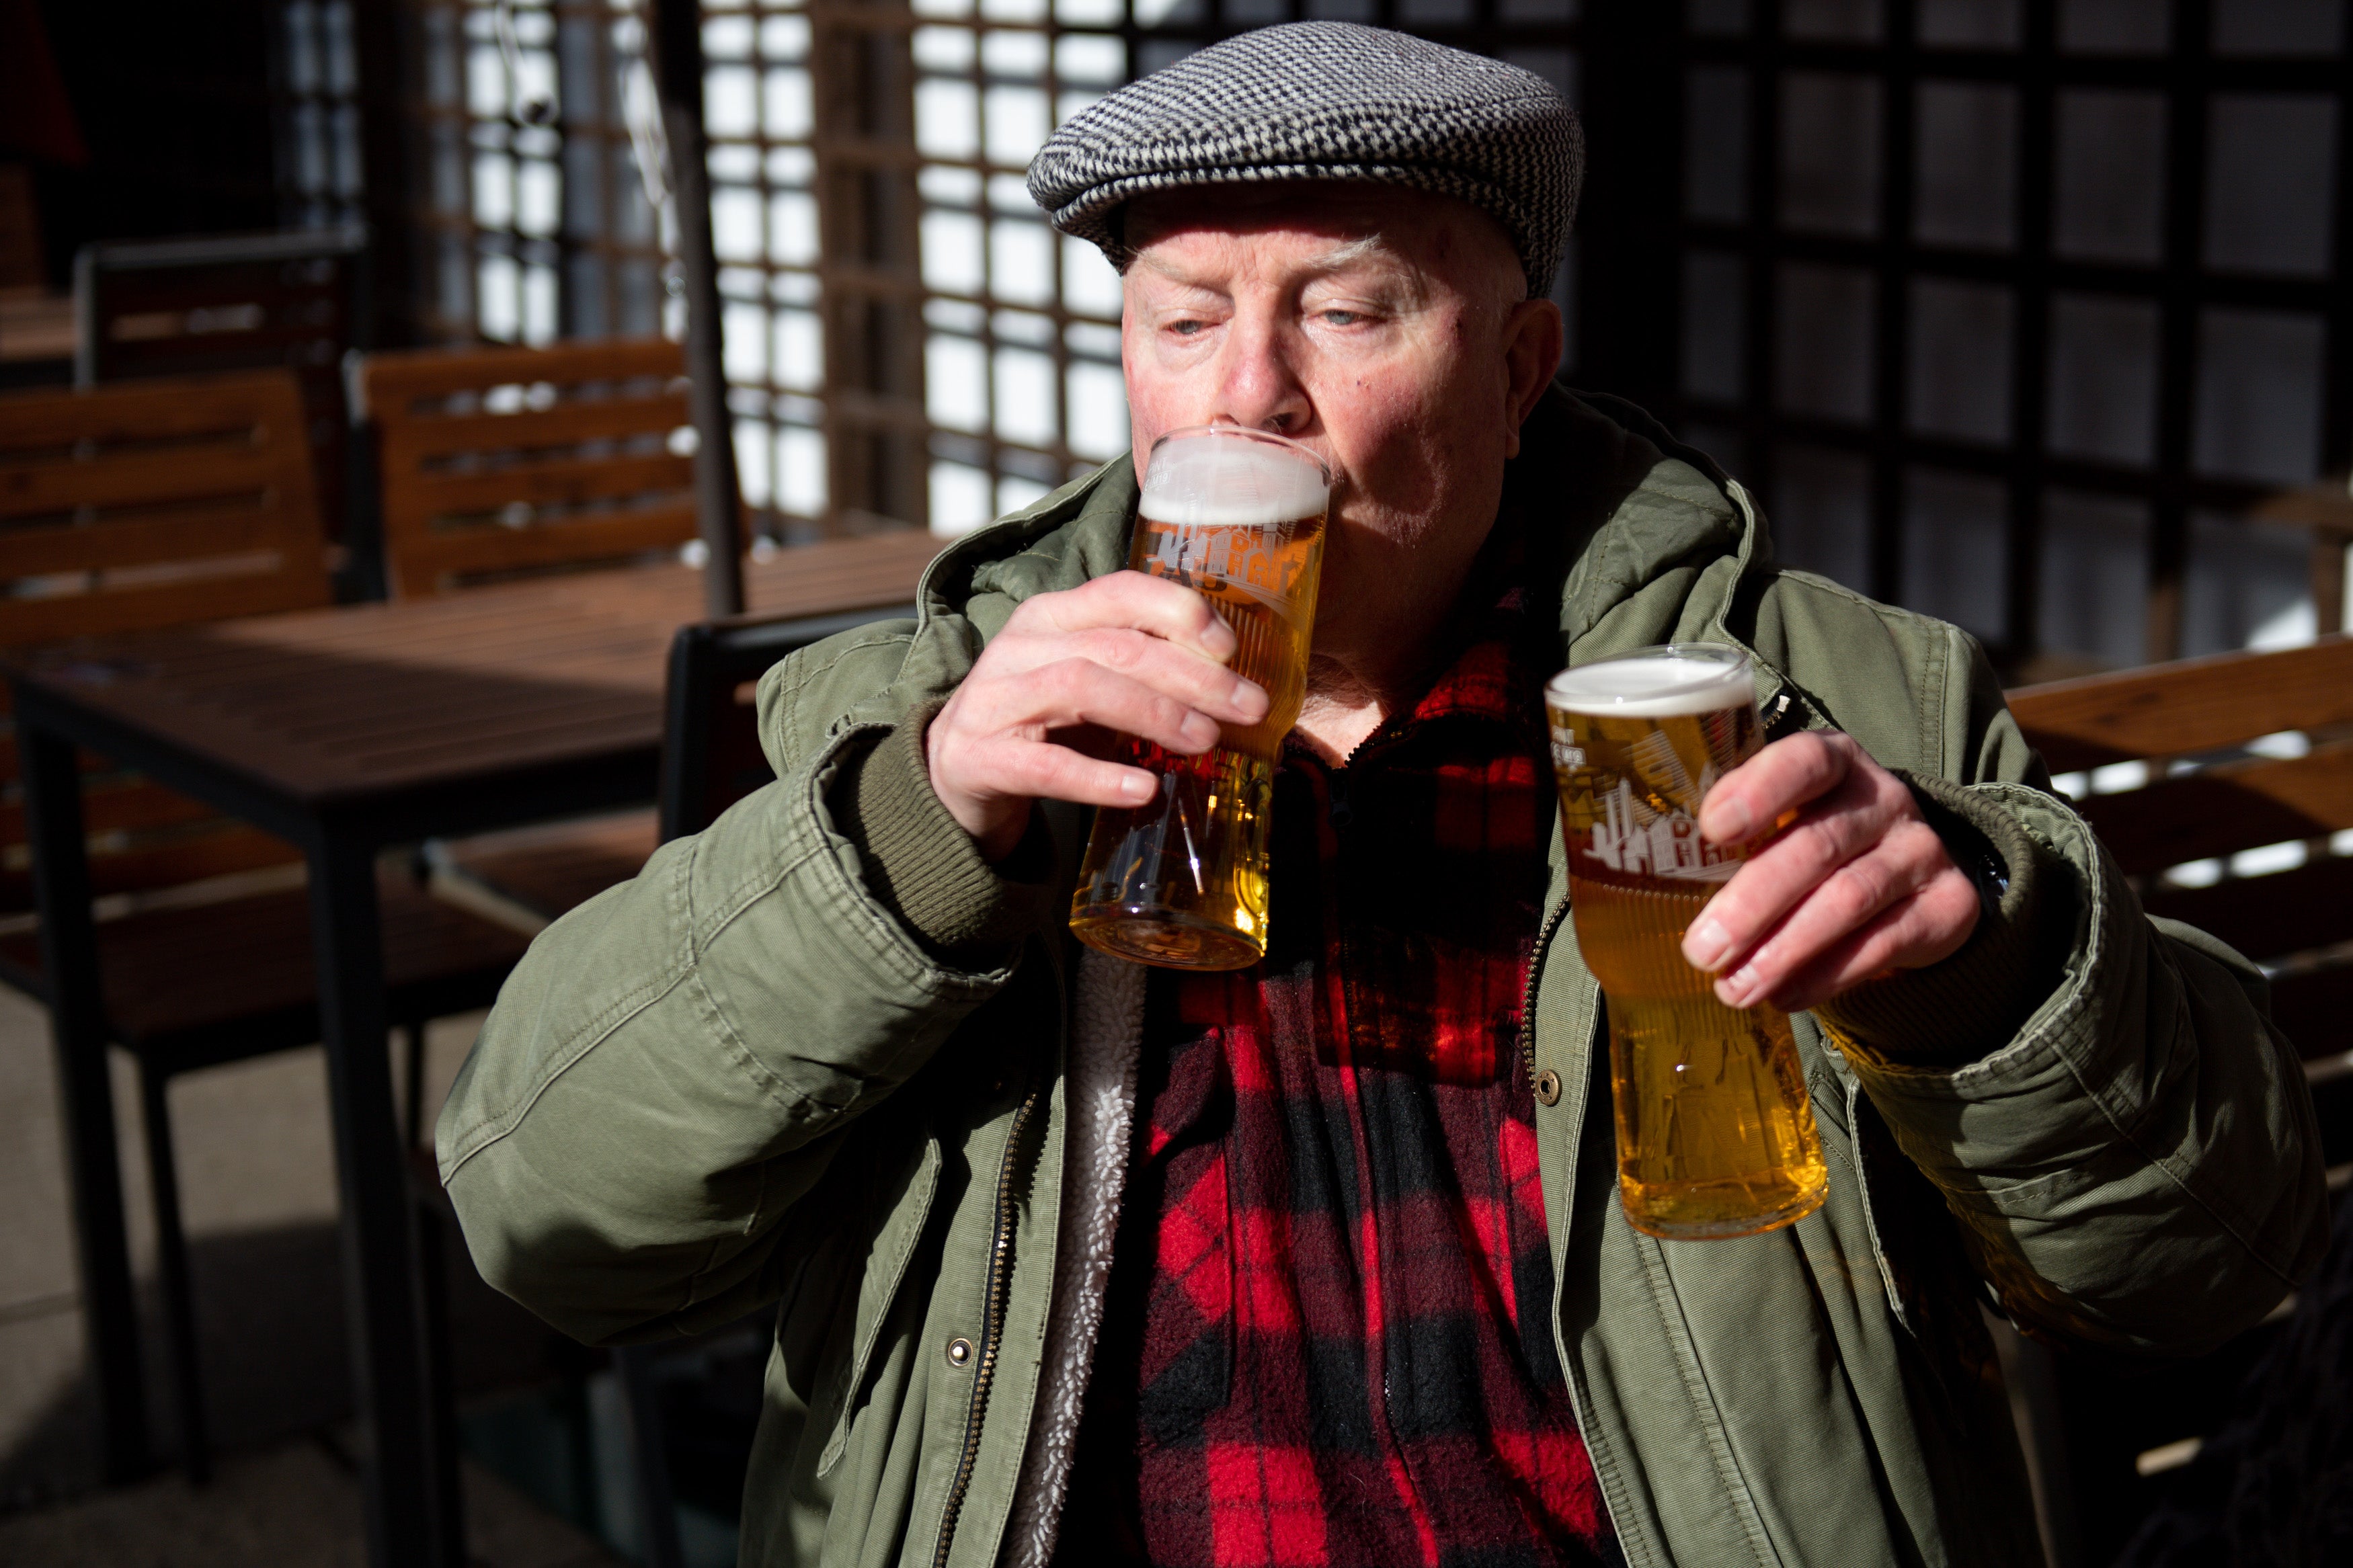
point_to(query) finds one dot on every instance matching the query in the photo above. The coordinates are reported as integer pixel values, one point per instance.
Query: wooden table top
(368, 699)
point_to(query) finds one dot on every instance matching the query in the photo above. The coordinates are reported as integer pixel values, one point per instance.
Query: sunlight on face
(1372, 324)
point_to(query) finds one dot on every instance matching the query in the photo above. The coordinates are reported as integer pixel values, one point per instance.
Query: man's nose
(1260, 386)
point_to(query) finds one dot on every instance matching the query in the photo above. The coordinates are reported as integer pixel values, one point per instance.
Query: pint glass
(1182, 881)
(1715, 1135)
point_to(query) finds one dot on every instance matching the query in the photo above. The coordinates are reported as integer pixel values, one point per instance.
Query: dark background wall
(172, 100)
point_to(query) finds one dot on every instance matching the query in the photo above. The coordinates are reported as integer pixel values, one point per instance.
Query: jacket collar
(1645, 540)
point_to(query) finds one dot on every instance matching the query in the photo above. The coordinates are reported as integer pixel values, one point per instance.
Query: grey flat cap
(1325, 100)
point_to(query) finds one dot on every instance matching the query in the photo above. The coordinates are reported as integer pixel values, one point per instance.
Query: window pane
(1968, 161)
(1822, 342)
(1716, 152)
(1720, 18)
(2115, 27)
(2110, 183)
(1714, 311)
(1954, 550)
(2278, 26)
(2094, 584)
(1829, 153)
(2248, 584)
(2102, 386)
(1853, 21)
(1821, 514)
(1959, 382)
(1982, 24)
(2258, 407)
(2270, 198)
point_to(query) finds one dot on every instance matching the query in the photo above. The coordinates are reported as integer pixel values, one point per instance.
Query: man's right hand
(1126, 653)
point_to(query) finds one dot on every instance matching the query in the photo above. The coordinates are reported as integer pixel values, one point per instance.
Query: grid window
(2024, 290)
(907, 341)
(317, 103)
(759, 104)
(492, 116)
(1020, 324)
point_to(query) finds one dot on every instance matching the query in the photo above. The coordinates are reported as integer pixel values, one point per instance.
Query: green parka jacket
(742, 1078)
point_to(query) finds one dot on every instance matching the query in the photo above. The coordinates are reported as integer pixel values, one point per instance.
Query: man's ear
(1533, 336)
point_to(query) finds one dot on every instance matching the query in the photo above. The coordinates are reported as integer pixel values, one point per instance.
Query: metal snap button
(959, 1352)
(1548, 1087)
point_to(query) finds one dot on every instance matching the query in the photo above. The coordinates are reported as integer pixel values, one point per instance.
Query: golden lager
(1238, 515)
(1715, 1134)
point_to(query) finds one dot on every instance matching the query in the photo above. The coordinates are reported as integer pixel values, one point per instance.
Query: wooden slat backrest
(155, 504)
(2190, 706)
(497, 461)
(2203, 798)
(145, 308)
(135, 506)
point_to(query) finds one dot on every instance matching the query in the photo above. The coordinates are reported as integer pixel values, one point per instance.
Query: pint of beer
(1715, 1135)
(1238, 515)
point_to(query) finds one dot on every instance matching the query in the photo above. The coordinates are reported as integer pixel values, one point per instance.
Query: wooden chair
(2239, 753)
(20, 231)
(154, 504)
(503, 462)
(296, 299)
(498, 462)
(710, 759)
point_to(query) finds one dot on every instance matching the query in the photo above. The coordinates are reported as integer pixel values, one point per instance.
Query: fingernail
(1137, 787)
(1705, 944)
(1732, 822)
(1220, 639)
(1739, 988)
(1200, 730)
(1251, 700)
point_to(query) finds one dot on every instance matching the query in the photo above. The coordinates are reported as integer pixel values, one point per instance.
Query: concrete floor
(257, 1191)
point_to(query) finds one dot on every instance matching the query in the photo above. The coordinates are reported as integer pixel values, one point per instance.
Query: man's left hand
(1858, 885)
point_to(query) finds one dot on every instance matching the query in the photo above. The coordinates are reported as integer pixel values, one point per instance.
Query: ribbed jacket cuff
(921, 861)
(1953, 1012)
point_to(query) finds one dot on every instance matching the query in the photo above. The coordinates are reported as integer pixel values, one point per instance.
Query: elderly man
(1321, 1262)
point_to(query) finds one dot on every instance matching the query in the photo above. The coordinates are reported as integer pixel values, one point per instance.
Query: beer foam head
(1656, 683)
(1199, 479)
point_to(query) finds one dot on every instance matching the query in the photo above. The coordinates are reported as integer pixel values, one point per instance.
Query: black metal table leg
(413, 1512)
(52, 782)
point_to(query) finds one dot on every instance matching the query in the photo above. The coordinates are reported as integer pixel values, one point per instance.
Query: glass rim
(1716, 664)
(1245, 432)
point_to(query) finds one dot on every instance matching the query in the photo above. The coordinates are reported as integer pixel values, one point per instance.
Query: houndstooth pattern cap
(1325, 100)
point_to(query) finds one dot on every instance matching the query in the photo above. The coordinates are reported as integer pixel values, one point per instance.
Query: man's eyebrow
(1338, 258)
(1342, 257)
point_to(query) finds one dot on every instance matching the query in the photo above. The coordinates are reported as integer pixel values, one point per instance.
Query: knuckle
(1821, 839)
(1069, 681)
(1114, 649)
(1861, 888)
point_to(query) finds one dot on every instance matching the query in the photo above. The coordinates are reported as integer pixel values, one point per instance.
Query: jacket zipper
(1569, 1366)
(1528, 998)
(1001, 1268)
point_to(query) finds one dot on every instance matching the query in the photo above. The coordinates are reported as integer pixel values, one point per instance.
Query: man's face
(1384, 327)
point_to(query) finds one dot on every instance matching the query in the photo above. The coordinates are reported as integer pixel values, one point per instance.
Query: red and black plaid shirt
(1328, 1339)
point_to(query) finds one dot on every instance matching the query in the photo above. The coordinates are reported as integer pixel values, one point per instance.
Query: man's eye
(1341, 318)
(1187, 328)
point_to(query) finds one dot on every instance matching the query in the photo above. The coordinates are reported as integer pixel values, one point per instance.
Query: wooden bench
(2223, 787)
